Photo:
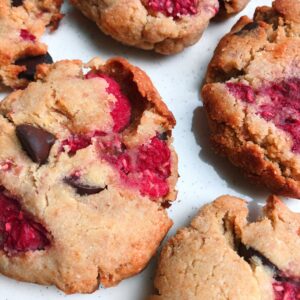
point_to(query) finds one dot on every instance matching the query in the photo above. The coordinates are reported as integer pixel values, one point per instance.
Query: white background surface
(204, 176)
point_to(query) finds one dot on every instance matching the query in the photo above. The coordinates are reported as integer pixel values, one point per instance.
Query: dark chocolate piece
(35, 141)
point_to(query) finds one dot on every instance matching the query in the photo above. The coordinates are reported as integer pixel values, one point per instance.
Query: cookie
(87, 169)
(229, 7)
(164, 26)
(252, 98)
(22, 24)
(223, 256)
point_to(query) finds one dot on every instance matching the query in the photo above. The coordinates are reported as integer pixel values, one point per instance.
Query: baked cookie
(229, 7)
(223, 256)
(252, 97)
(86, 171)
(162, 25)
(22, 23)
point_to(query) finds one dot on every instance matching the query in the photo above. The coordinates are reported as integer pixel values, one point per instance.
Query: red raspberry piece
(155, 157)
(242, 91)
(282, 104)
(145, 168)
(121, 112)
(78, 141)
(26, 35)
(174, 8)
(18, 232)
(286, 291)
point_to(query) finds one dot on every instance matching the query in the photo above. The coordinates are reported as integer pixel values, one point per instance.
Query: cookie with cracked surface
(86, 169)
(223, 256)
(22, 23)
(164, 26)
(252, 98)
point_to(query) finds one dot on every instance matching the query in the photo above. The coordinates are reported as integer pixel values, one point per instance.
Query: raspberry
(146, 167)
(242, 91)
(283, 108)
(174, 8)
(121, 112)
(18, 232)
(286, 291)
(281, 105)
(79, 141)
(155, 157)
(26, 35)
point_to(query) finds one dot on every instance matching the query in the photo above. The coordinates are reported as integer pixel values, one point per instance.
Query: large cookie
(166, 26)
(86, 171)
(252, 96)
(223, 256)
(22, 23)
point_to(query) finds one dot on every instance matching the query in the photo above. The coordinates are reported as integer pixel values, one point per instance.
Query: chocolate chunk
(166, 204)
(31, 63)
(248, 27)
(82, 189)
(16, 3)
(35, 141)
(163, 136)
(247, 253)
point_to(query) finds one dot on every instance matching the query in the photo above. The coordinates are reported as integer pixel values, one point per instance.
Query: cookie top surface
(86, 169)
(22, 24)
(164, 26)
(254, 80)
(223, 256)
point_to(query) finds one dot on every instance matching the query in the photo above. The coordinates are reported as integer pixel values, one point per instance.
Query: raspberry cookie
(162, 25)
(86, 172)
(223, 256)
(252, 97)
(22, 23)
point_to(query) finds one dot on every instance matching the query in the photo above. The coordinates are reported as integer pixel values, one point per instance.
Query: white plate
(204, 176)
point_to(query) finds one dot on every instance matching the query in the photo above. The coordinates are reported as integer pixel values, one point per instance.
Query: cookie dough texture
(129, 22)
(100, 238)
(255, 55)
(20, 30)
(202, 261)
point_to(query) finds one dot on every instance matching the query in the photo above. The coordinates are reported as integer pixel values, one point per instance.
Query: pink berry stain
(27, 36)
(173, 8)
(281, 105)
(121, 112)
(286, 291)
(18, 232)
(6, 165)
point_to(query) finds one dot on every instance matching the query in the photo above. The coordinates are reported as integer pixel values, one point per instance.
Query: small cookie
(86, 171)
(252, 97)
(161, 25)
(223, 256)
(22, 23)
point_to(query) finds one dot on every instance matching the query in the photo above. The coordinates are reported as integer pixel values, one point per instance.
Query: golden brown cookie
(166, 26)
(86, 171)
(252, 98)
(223, 256)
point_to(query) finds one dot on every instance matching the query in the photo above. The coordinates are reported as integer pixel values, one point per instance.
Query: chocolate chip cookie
(252, 97)
(86, 171)
(223, 256)
(22, 24)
